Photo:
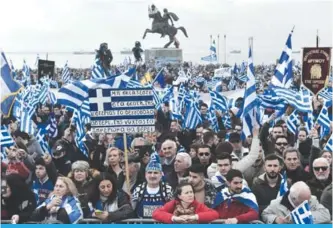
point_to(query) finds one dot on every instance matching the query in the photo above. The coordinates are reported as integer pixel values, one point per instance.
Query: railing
(126, 221)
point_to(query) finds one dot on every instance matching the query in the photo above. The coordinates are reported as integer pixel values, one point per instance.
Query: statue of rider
(166, 17)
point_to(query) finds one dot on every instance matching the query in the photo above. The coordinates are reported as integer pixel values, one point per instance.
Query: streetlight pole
(225, 48)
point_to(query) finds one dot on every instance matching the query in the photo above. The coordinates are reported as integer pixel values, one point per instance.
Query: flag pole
(126, 163)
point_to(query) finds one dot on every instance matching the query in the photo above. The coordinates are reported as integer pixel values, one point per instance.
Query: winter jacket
(281, 207)
(263, 192)
(317, 187)
(164, 214)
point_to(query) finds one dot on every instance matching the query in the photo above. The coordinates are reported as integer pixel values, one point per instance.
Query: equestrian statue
(161, 25)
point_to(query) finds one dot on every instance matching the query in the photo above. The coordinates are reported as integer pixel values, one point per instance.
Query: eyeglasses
(281, 144)
(324, 168)
(204, 154)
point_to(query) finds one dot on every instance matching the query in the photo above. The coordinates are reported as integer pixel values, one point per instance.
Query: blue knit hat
(154, 163)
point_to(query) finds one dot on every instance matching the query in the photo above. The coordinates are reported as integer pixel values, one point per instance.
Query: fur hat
(80, 165)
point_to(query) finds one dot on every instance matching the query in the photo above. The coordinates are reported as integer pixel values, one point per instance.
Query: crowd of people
(175, 175)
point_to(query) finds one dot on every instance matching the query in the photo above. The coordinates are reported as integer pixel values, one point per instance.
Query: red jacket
(236, 209)
(165, 213)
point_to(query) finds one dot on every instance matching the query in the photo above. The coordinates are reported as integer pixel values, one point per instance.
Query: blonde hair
(72, 190)
(120, 152)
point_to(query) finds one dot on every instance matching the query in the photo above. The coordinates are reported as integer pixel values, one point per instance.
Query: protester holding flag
(279, 209)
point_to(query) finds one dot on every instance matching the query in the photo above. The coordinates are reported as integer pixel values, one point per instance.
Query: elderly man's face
(169, 149)
(180, 164)
(321, 170)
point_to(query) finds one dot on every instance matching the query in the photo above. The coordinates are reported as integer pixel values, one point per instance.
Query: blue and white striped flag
(52, 127)
(329, 144)
(26, 73)
(302, 214)
(26, 124)
(246, 197)
(52, 97)
(232, 83)
(293, 122)
(283, 185)
(250, 100)
(40, 136)
(6, 141)
(212, 57)
(323, 118)
(97, 71)
(326, 93)
(283, 75)
(192, 116)
(219, 101)
(66, 77)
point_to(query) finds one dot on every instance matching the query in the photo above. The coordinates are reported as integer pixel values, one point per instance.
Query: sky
(40, 26)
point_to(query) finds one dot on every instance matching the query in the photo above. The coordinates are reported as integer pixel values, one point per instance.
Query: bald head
(299, 192)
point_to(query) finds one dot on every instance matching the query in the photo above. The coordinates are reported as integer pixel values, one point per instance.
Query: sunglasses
(323, 168)
(281, 144)
(204, 154)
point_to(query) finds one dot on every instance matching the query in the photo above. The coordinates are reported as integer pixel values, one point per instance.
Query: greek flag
(40, 136)
(283, 185)
(97, 71)
(70, 204)
(323, 118)
(302, 214)
(80, 133)
(26, 73)
(192, 116)
(283, 75)
(213, 119)
(329, 144)
(52, 126)
(250, 100)
(232, 83)
(65, 74)
(246, 197)
(9, 87)
(6, 141)
(242, 78)
(292, 122)
(300, 101)
(219, 101)
(326, 93)
(160, 78)
(212, 57)
(26, 124)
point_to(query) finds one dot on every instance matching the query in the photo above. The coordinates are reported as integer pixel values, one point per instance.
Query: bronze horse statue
(161, 26)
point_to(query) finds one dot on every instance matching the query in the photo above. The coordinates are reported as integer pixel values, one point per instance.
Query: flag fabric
(326, 94)
(219, 101)
(26, 124)
(212, 57)
(323, 117)
(26, 73)
(192, 116)
(246, 197)
(65, 76)
(6, 141)
(250, 100)
(302, 214)
(283, 185)
(283, 75)
(293, 122)
(97, 71)
(52, 127)
(9, 87)
(40, 136)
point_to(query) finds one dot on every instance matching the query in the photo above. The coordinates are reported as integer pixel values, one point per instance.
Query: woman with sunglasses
(185, 209)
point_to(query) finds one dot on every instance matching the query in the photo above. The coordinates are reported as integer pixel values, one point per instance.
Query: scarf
(180, 210)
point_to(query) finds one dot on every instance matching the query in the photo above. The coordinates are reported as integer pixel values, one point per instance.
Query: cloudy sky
(40, 26)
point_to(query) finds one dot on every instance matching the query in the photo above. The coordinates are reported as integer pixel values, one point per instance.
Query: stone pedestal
(162, 56)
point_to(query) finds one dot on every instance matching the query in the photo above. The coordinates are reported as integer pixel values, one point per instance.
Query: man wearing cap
(60, 160)
(153, 193)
